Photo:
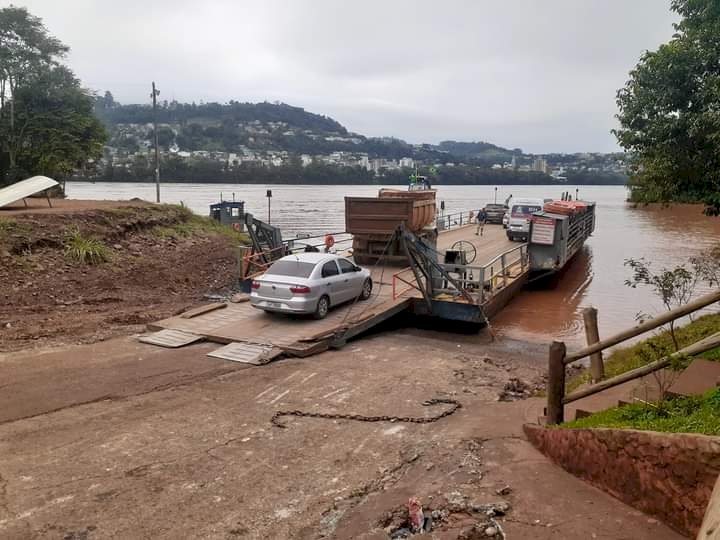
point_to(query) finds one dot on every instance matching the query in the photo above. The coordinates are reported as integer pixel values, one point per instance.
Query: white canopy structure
(25, 188)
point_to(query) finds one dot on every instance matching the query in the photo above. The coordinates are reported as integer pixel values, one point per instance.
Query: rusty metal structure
(373, 222)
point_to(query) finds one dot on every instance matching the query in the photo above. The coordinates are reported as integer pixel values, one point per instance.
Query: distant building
(407, 162)
(540, 165)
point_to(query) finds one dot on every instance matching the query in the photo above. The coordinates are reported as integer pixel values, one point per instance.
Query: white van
(521, 210)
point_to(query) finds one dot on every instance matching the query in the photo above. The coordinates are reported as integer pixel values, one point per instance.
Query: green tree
(46, 119)
(26, 49)
(668, 111)
(166, 136)
(56, 129)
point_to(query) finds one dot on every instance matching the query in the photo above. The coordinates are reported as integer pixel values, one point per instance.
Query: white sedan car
(310, 283)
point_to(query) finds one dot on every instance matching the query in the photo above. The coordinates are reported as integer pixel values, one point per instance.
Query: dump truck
(373, 222)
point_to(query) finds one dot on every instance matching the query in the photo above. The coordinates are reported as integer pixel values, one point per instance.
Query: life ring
(329, 241)
(236, 226)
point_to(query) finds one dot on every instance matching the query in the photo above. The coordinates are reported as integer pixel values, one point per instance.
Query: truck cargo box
(382, 215)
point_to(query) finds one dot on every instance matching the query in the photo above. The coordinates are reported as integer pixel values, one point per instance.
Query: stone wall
(667, 475)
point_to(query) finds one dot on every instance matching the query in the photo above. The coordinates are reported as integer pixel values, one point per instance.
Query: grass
(191, 224)
(83, 249)
(10, 226)
(7, 225)
(653, 348)
(694, 414)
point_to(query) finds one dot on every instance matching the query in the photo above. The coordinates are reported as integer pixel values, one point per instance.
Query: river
(663, 236)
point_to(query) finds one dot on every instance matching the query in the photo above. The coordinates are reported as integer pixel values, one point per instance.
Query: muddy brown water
(596, 276)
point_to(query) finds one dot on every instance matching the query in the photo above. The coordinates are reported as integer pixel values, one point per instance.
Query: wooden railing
(559, 358)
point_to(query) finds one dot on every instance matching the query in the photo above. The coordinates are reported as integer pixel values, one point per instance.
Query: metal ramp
(247, 353)
(171, 339)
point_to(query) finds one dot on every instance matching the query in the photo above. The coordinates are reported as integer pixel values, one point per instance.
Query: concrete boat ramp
(252, 336)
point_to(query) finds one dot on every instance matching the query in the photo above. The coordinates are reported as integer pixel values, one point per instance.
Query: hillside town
(131, 144)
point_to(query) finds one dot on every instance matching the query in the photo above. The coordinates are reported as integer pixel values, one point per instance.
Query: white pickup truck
(521, 211)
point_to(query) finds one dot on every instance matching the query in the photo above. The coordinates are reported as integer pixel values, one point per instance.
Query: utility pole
(154, 95)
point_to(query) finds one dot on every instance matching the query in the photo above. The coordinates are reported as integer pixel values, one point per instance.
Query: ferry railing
(485, 280)
(318, 241)
(446, 222)
(254, 264)
(559, 358)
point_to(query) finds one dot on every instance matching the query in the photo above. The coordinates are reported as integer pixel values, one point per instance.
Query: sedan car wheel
(366, 290)
(323, 306)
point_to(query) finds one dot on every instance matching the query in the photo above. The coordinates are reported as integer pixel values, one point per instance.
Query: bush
(85, 250)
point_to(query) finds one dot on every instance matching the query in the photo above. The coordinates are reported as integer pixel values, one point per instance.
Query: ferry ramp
(253, 336)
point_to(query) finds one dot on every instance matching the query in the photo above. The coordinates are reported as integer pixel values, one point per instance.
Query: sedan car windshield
(291, 268)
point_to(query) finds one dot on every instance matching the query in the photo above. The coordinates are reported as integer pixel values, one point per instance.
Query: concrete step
(699, 377)
(646, 388)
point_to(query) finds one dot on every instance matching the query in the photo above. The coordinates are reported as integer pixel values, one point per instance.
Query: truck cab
(521, 211)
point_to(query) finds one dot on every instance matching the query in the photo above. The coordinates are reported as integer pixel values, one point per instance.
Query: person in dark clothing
(481, 219)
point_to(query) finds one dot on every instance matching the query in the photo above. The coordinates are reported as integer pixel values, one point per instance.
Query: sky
(540, 75)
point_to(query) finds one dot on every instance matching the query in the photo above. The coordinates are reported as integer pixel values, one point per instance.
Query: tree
(46, 119)
(26, 50)
(166, 136)
(668, 111)
(107, 101)
(707, 265)
(675, 287)
(56, 129)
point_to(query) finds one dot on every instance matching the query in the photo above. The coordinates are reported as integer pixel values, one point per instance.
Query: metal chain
(360, 418)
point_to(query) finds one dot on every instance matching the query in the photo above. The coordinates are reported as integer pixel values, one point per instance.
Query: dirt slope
(161, 259)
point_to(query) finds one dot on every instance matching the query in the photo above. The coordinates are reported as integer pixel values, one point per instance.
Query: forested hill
(477, 150)
(249, 141)
(113, 113)
(269, 127)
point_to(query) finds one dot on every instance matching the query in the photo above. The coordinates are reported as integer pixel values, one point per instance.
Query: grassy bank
(626, 359)
(191, 224)
(694, 414)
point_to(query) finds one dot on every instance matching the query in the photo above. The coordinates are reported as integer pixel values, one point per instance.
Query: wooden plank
(556, 383)
(665, 318)
(201, 310)
(592, 335)
(302, 350)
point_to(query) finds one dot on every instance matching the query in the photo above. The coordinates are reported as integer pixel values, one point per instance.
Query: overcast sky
(536, 74)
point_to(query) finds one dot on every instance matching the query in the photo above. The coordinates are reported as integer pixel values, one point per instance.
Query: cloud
(520, 73)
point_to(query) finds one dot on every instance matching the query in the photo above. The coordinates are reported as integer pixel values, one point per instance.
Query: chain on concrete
(360, 418)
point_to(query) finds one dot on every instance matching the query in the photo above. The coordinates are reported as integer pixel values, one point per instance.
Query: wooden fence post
(556, 383)
(592, 335)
